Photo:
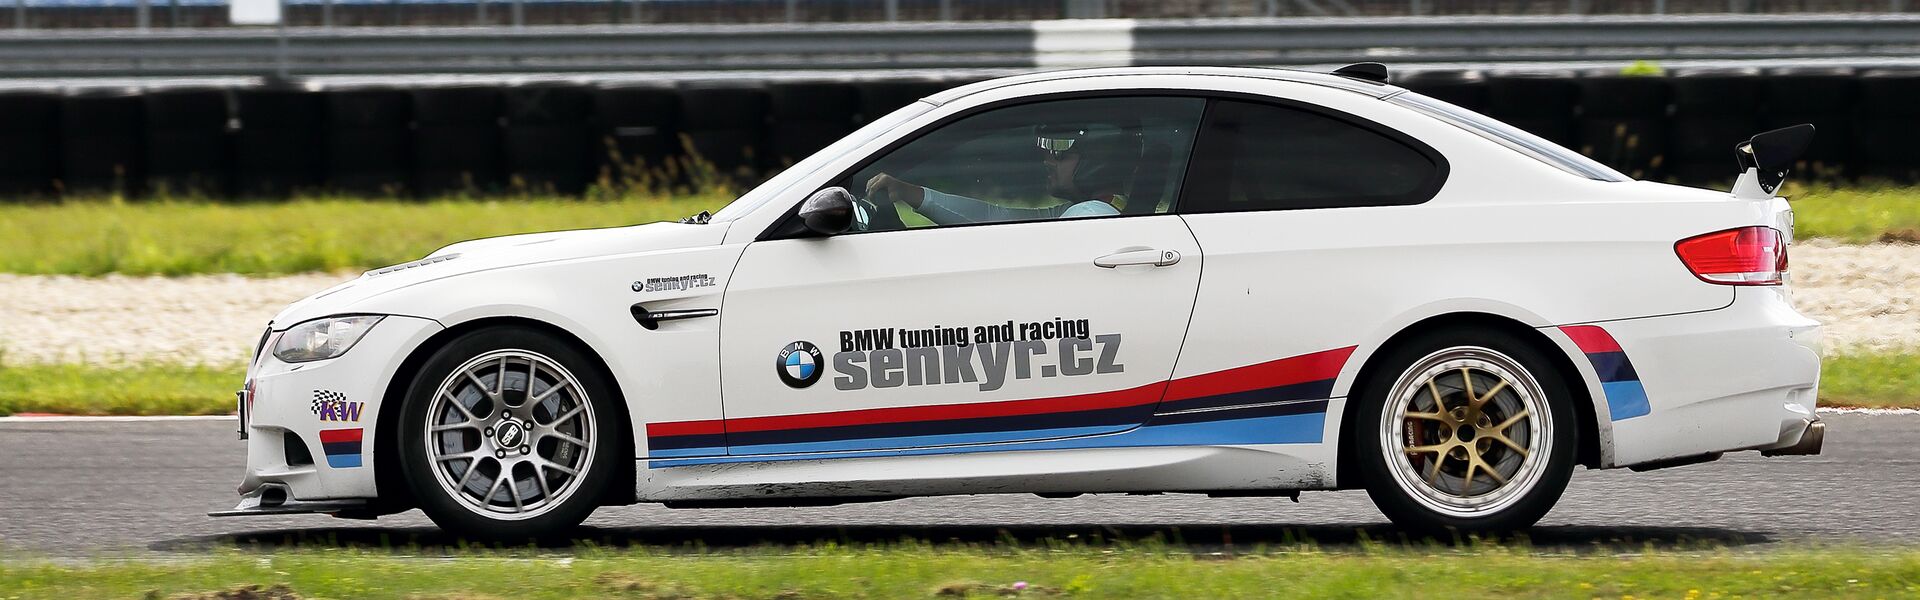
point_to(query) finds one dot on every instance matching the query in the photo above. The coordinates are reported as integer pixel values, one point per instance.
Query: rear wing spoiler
(1765, 160)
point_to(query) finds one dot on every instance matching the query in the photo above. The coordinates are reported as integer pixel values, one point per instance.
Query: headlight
(321, 339)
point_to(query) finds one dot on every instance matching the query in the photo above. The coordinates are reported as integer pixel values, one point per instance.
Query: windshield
(779, 183)
(1511, 137)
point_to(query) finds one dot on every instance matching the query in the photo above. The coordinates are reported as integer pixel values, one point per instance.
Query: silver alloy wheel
(510, 434)
(1466, 431)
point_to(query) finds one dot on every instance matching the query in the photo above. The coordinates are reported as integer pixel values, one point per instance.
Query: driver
(1087, 165)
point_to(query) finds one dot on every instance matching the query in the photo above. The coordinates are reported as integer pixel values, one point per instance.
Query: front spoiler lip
(258, 503)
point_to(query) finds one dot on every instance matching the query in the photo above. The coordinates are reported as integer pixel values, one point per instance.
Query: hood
(498, 253)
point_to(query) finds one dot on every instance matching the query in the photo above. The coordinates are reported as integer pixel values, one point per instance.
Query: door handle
(1145, 256)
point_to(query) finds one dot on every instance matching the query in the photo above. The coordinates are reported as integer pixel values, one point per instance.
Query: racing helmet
(1108, 153)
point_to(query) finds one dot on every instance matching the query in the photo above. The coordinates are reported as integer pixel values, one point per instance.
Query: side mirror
(828, 211)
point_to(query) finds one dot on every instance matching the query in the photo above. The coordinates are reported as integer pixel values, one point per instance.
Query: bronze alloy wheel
(1466, 432)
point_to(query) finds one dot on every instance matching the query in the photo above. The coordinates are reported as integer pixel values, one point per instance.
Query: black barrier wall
(567, 138)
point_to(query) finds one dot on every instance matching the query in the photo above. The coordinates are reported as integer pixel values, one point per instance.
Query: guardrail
(1037, 44)
(37, 14)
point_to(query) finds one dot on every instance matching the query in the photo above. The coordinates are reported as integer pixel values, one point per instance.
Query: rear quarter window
(1256, 156)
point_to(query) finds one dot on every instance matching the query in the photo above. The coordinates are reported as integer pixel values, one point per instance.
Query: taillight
(1744, 256)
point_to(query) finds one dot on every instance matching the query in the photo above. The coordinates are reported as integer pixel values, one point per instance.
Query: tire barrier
(1711, 106)
(1623, 123)
(1540, 102)
(1823, 96)
(1887, 119)
(456, 140)
(562, 138)
(102, 142)
(725, 126)
(279, 149)
(807, 116)
(637, 133)
(187, 149)
(548, 138)
(369, 141)
(30, 139)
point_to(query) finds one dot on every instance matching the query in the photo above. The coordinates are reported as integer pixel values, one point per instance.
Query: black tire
(458, 516)
(1516, 508)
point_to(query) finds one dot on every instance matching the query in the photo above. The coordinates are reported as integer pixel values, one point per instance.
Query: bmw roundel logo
(799, 364)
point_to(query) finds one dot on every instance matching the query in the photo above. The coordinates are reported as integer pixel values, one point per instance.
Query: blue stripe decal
(1302, 428)
(1613, 366)
(954, 439)
(343, 461)
(684, 452)
(1626, 399)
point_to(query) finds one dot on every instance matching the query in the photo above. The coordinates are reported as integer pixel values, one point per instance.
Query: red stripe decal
(1591, 338)
(1276, 373)
(330, 436)
(713, 427)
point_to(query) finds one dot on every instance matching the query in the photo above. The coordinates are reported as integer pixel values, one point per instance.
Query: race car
(1224, 281)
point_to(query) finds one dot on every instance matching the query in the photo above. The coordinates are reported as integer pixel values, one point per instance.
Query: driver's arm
(948, 209)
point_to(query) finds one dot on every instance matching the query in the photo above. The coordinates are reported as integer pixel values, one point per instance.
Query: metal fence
(631, 49)
(164, 14)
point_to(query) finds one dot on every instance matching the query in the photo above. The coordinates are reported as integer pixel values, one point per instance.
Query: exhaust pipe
(1809, 443)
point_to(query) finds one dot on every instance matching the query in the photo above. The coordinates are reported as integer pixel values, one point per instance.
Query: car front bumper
(310, 427)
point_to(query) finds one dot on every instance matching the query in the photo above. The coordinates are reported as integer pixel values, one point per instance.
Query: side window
(1265, 157)
(1090, 157)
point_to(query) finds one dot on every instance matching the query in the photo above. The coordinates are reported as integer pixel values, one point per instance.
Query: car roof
(1377, 90)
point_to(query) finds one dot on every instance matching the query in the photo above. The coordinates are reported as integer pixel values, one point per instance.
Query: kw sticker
(984, 355)
(333, 406)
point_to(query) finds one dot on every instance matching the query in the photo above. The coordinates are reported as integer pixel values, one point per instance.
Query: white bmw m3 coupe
(1224, 281)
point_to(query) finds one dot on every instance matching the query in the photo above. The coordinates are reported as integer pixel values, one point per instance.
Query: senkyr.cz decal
(333, 406)
(673, 284)
(342, 447)
(984, 355)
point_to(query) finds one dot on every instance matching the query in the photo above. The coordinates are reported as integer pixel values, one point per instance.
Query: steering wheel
(881, 214)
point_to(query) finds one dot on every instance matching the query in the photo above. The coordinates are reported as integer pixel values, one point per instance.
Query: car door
(1005, 326)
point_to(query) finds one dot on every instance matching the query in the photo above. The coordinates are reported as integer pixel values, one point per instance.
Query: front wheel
(504, 436)
(1466, 430)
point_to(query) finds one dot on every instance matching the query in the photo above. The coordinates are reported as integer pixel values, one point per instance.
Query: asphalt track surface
(143, 488)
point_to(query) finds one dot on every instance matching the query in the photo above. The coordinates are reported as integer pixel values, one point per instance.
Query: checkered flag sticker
(324, 398)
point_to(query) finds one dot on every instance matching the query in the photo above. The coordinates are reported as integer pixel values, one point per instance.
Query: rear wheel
(504, 436)
(1466, 430)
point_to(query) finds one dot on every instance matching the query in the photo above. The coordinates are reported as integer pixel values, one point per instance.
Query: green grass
(1889, 380)
(1857, 215)
(915, 570)
(152, 389)
(183, 238)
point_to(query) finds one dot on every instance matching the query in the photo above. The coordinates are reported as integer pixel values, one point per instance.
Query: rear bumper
(1744, 377)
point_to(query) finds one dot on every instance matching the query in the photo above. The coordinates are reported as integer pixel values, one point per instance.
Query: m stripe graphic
(342, 447)
(1626, 397)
